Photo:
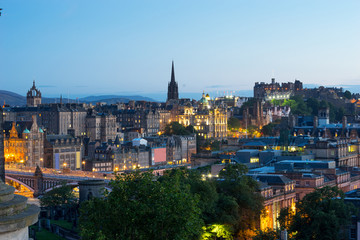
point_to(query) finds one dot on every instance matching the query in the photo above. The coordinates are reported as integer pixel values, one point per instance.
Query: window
(353, 233)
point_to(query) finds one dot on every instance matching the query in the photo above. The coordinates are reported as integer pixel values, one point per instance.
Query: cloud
(47, 86)
(218, 86)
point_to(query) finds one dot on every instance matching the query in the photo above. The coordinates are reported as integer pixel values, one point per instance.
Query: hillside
(14, 99)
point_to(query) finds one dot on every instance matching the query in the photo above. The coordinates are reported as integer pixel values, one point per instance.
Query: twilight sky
(84, 47)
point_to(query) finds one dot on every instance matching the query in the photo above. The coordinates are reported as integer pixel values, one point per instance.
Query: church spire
(172, 72)
(173, 93)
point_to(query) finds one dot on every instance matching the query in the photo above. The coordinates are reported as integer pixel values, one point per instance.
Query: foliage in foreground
(321, 215)
(59, 196)
(178, 205)
(141, 208)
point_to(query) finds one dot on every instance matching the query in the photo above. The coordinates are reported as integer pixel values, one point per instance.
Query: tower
(323, 116)
(33, 96)
(173, 93)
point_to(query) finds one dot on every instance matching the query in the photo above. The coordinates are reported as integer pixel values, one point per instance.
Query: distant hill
(114, 99)
(14, 99)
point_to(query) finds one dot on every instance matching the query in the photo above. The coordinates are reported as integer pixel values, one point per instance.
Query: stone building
(255, 115)
(144, 121)
(275, 90)
(165, 118)
(343, 151)
(33, 96)
(129, 157)
(24, 143)
(101, 126)
(179, 149)
(278, 192)
(209, 121)
(102, 158)
(54, 118)
(63, 152)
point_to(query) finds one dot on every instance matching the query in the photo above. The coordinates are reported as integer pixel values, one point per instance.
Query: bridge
(41, 181)
(38, 180)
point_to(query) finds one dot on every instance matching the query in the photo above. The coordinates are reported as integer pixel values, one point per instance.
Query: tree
(277, 102)
(240, 202)
(190, 129)
(340, 112)
(313, 104)
(139, 207)
(267, 234)
(59, 196)
(217, 232)
(347, 94)
(253, 130)
(298, 106)
(175, 128)
(320, 215)
(234, 123)
(268, 130)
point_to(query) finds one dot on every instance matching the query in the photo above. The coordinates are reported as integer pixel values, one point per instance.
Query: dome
(26, 131)
(203, 101)
(40, 130)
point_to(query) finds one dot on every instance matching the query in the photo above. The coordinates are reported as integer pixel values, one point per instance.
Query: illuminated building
(209, 121)
(55, 118)
(273, 90)
(2, 159)
(279, 193)
(24, 143)
(180, 148)
(63, 152)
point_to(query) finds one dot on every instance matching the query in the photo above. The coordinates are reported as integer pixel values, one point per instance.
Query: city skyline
(83, 48)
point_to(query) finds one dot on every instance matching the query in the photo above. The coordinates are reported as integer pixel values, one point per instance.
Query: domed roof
(40, 130)
(26, 131)
(203, 101)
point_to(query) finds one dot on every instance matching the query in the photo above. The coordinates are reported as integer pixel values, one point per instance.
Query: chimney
(344, 122)
(315, 122)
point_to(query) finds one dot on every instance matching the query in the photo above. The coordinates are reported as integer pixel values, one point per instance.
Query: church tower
(33, 96)
(173, 93)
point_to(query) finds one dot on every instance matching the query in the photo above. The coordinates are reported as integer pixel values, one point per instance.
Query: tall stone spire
(173, 93)
(172, 73)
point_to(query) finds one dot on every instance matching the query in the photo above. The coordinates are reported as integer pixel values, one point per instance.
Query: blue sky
(78, 48)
